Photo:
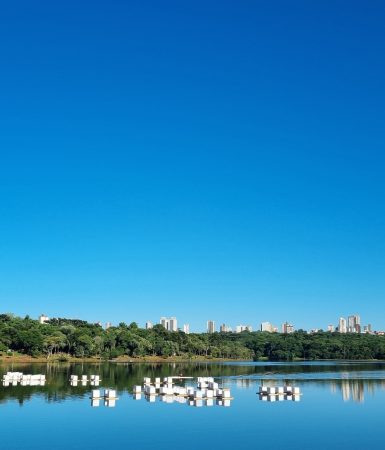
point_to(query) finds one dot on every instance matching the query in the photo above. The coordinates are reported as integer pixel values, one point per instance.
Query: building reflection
(354, 390)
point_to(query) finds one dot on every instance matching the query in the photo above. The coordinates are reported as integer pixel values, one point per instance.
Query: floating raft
(206, 389)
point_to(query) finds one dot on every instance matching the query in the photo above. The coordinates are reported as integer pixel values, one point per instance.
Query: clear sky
(207, 159)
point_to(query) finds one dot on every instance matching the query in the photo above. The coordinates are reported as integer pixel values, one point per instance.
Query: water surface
(341, 406)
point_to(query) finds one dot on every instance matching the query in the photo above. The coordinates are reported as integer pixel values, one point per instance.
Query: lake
(341, 406)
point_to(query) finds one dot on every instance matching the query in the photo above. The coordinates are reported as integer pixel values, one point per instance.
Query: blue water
(341, 406)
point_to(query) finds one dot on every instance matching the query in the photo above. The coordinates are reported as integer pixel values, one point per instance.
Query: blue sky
(209, 160)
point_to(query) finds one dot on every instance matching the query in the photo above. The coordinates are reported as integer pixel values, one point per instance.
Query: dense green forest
(82, 339)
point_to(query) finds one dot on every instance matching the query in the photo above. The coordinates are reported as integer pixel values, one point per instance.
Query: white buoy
(209, 393)
(111, 394)
(226, 393)
(95, 393)
(198, 394)
(110, 403)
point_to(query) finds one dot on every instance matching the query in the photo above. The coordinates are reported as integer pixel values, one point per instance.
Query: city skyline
(350, 325)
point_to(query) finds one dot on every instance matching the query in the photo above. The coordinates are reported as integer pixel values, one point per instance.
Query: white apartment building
(287, 328)
(210, 326)
(267, 326)
(342, 325)
(240, 328)
(169, 323)
(43, 318)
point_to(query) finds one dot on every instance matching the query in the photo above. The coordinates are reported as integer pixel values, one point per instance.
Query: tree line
(77, 338)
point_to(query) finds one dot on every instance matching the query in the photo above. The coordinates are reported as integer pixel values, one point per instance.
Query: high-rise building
(186, 328)
(108, 325)
(165, 322)
(224, 328)
(342, 325)
(331, 328)
(173, 324)
(287, 328)
(354, 324)
(267, 326)
(43, 318)
(148, 325)
(240, 328)
(350, 324)
(210, 326)
(170, 323)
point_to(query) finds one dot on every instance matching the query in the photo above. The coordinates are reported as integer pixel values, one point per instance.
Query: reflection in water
(182, 400)
(279, 398)
(353, 380)
(355, 389)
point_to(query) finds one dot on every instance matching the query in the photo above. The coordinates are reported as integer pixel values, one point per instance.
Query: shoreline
(25, 359)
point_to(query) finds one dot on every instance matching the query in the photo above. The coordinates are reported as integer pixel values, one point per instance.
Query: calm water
(342, 406)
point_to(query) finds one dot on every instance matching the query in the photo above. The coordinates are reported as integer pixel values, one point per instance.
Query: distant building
(108, 325)
(169, 324)
(148, 325)
(354, 324)
(342, 325)
(173, 324)
(267, 326)
(240, 328)
(287, 328)
(224, 328)
(186, 328)
(210, 326)
(331, 328)
(164, 322)
(43, 319)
